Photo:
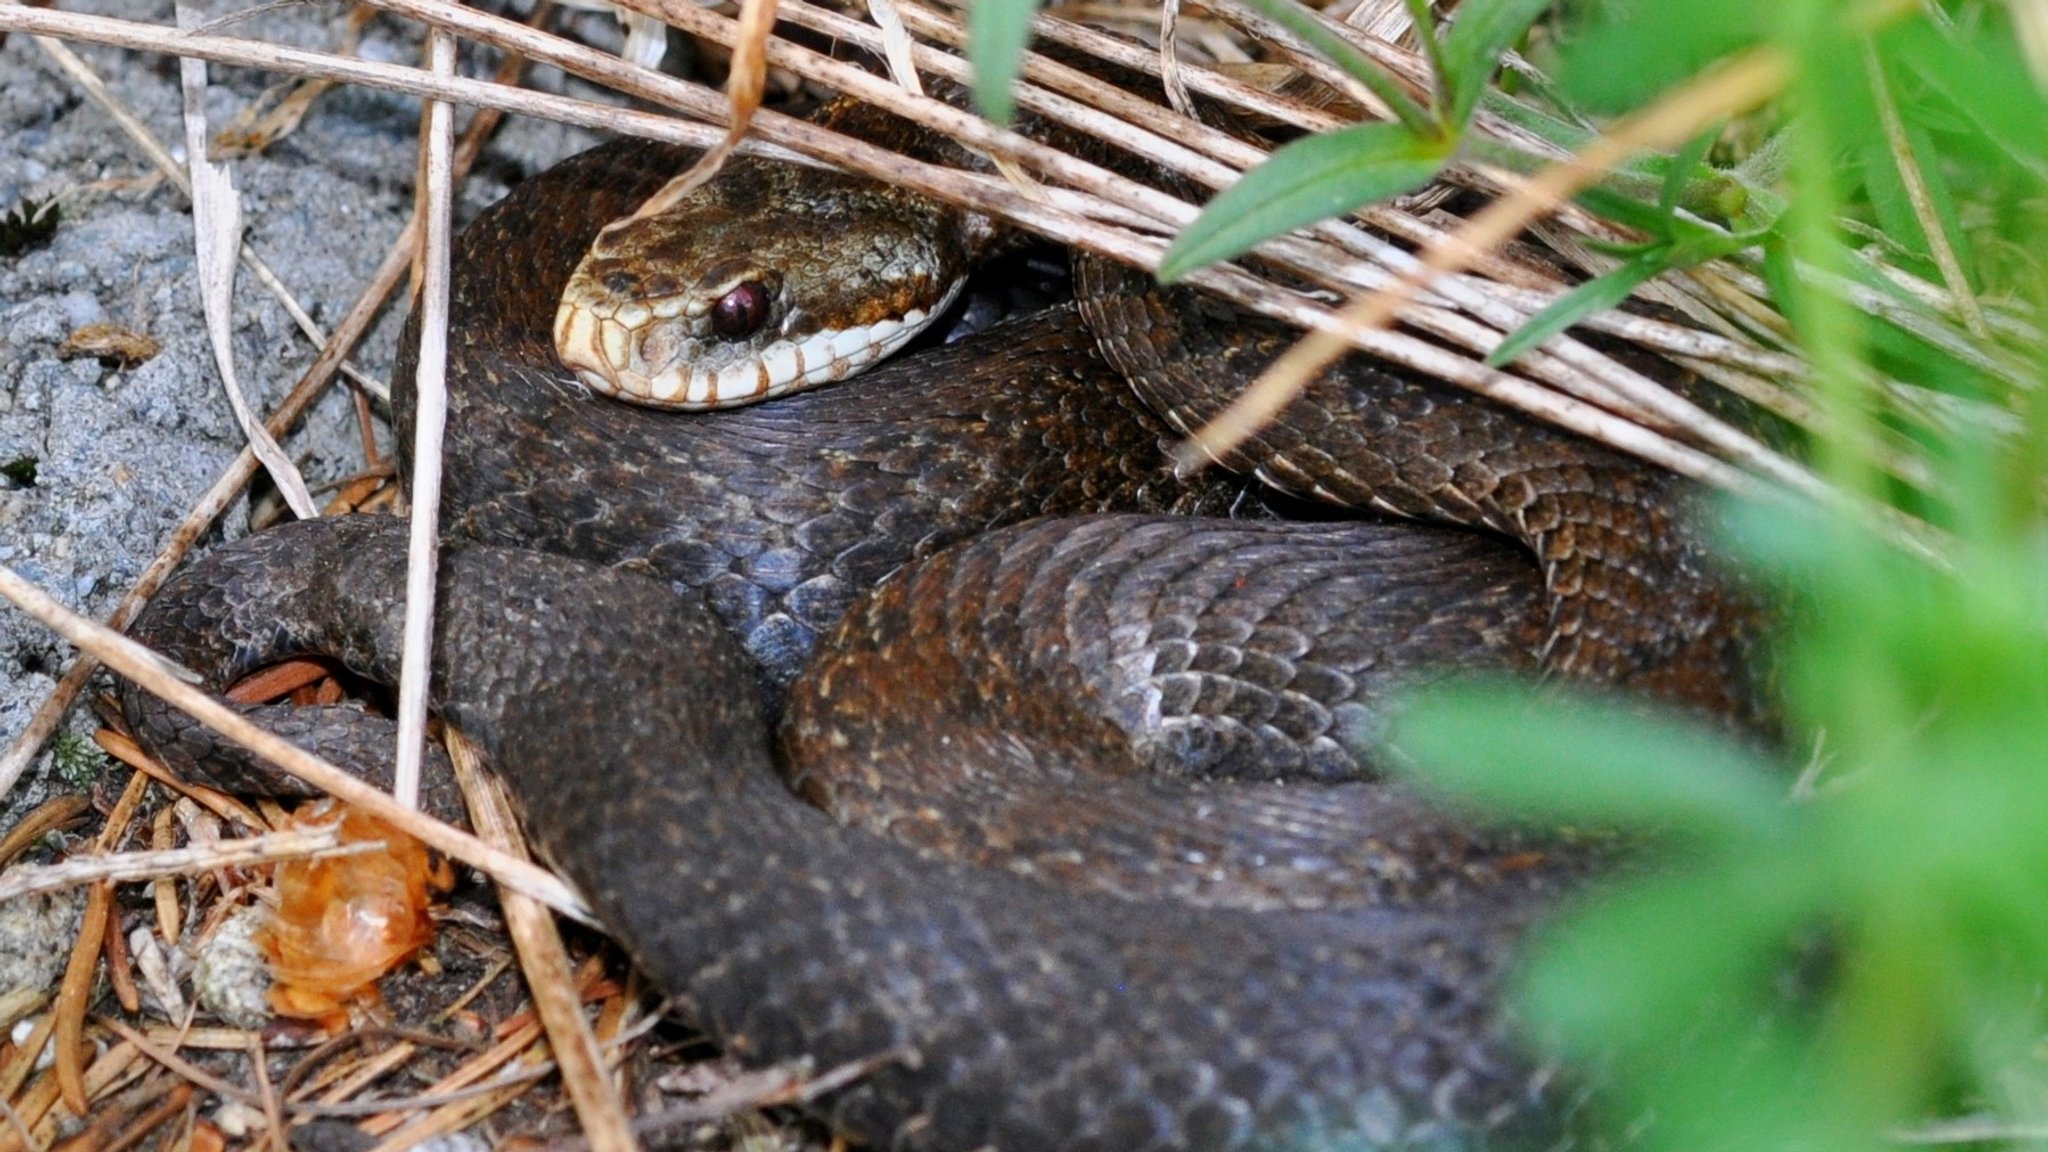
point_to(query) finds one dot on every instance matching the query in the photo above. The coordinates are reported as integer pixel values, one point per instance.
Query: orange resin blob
(344, 921)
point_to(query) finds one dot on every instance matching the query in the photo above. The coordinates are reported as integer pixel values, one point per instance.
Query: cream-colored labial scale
(605, 355)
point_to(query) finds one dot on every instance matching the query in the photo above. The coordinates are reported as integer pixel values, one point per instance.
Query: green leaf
(1630, 50)
(1594, 295)
(1688, 244)
(1985, 79)
(1625, 209)
(1651, 960)
(1483, 30)
(997, 31)
(1679, 174)
(1555, 758)
(1308, 180)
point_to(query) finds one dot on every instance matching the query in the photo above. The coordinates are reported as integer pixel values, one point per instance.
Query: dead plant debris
(110, 344)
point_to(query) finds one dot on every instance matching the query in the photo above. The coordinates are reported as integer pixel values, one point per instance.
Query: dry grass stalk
(124, 1128)
(745, 84)
(217, 230)
(319, 842)
(223, 492)
(545, 961)
(167, 1056)
(1467, 311)
(161, 159)
(273, 1116)
(1722, 93)
(461, 1099)
(430, 418)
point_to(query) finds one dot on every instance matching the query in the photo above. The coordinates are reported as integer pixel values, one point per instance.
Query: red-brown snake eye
(741, 312)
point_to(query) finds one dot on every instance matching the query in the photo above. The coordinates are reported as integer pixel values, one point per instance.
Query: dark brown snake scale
(1328, 978)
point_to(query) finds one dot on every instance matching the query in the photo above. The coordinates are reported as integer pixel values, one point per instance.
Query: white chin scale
(782, 367)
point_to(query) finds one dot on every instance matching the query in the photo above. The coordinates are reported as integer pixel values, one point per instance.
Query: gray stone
(121, 454)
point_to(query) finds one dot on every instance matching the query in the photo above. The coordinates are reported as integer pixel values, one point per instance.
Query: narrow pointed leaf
(1309, 180)
(1680, 172)
(1481, 33)
(1550, 757)
(997, 31)
(1601, 292)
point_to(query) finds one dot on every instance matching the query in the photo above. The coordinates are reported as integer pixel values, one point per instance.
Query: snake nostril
(741, 312)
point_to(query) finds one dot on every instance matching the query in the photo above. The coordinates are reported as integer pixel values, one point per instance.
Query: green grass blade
(1309, 180)
(1597, 294)
(997, 31)
(1482, 32)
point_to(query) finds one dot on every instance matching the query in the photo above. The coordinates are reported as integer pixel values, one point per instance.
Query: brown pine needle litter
(463, 1047)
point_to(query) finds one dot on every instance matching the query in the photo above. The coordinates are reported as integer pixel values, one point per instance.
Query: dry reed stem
(1247, 290)
(1721, 93)
(1229, 282)
(545, 961)
(430, 420)
(217, 234)
(316, 843)
(746, 83)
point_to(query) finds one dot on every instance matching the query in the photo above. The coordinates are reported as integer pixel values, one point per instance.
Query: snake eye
(741, 312)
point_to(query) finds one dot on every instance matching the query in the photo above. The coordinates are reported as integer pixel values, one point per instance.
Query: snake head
(769, 279)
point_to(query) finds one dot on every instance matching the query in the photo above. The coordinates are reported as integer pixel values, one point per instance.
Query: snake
(806, 696)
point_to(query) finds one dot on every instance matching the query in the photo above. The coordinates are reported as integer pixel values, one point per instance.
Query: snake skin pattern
(1286, 952)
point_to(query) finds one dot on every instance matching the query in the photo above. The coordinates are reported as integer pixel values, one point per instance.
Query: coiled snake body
(1333, 971)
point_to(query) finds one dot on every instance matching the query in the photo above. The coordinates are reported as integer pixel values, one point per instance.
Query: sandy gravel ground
(118, 455)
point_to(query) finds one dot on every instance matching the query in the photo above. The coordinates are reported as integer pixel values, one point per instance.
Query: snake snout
(631, 326)
(688, 361)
